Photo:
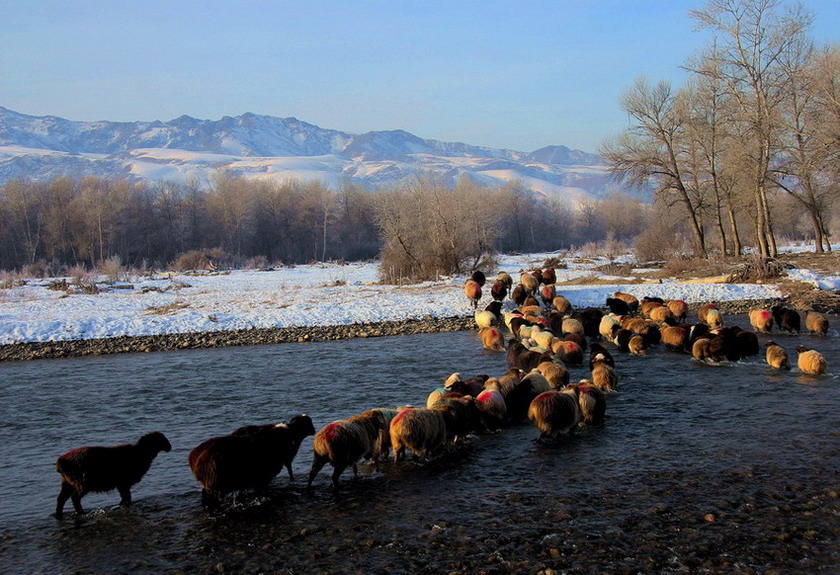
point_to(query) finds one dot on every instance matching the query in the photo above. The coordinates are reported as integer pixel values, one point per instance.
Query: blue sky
(514, 74)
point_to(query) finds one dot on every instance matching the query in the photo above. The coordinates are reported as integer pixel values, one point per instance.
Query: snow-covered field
(319, 294)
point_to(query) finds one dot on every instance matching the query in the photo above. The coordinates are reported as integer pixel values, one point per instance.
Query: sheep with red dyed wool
(249, 458)
(344, 442)
(105, 468)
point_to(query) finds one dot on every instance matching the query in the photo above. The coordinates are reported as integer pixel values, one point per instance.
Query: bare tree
(654, 148)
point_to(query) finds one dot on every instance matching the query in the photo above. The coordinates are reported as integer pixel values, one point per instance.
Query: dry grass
(168, 309)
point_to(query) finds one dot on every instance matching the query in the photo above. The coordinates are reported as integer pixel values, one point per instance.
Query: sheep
(548, 293)
(617, 306)
(466, 417)
(761, 320)
(521, 357)
(439, 393)
(603, 375)
(492, 339)
(484, 318)
(622, 339)
(703, 311)
(607, 327)
(599, 350)
(518, 398)
(700, 349)
(555, 413)
(422, 431)
(660, 313)
(491, 403)
(776, 356)
(678, 308)
(529, 282)
(519, 294)
(495, 307)
(746, 343)
(498, 291)
(648, 305)
(674, 337)
(344, 442)
(816, 323)
(248, 459)
(555, 373)
(810, 361)
(101, 468)
(786, 318)
(567, 351)
(631, 300)
(507, 382)
(592, 402)
(590, 317)
(383, 441)
(561, 304)
(543, 338)
(572, 325)
(473, 386)
(473, 292)
(479, 278)
(637, 345)
(505, 278)
(549, 276)
(714, 319)
(531, 301)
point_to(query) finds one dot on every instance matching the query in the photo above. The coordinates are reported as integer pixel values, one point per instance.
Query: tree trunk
(736, 238)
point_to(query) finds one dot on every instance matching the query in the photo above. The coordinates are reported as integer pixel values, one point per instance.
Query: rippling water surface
(698, 468)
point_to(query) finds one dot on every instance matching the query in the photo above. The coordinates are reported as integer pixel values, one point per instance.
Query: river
(713, 469)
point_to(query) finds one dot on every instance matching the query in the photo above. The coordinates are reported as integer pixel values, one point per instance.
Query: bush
(207, 260)
(112, 268)
(656, 243)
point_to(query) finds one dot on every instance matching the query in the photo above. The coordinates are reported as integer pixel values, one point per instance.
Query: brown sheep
(492, 405)
(648, 306)
(776, 356)
(498, 291)
(569, 352)
(492, 339)
(421, 431)
(810, 361)
(473, 292)
(674, 338)
(703, 311)
(519, 294)
(505, 278)
(549, 276)
(100, 469)
(701, 349)
(561, 304)
(761, 320)
(661, 313)
(555, 413)
(571, 325)
(678, 308)
(344, 442)
(592, 402)
(603, 375)
(529, 282)
(555, 373)
(816, 323)
(637, 345)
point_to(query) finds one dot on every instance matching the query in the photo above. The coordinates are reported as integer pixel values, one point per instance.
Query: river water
(698, 469)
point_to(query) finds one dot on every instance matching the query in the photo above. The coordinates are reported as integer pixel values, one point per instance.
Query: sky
(505, 74)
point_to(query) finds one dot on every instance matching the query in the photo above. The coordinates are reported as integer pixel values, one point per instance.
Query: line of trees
(83, 223)
(756, 124)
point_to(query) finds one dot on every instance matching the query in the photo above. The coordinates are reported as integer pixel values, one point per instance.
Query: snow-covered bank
(302, 296)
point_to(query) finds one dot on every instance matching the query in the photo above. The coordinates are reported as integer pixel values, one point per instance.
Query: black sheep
(618, 306)
(786, 318)
(247, 459)
(100, 469)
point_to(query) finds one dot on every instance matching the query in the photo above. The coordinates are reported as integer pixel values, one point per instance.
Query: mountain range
(42, 148)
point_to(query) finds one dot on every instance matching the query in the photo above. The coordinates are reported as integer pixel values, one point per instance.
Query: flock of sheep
(546, 335)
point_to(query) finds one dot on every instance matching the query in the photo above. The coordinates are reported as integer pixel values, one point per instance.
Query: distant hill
(45, 147)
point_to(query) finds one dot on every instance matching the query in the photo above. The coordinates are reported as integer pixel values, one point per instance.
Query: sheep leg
(336, 474)
(317, 464)
(77, 502)
(65, 493)
(291, 475)
(125, 494)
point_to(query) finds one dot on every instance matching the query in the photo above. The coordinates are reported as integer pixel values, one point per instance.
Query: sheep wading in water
(101, 468)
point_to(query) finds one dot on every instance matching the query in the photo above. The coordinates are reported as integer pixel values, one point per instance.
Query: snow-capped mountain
(250, 145)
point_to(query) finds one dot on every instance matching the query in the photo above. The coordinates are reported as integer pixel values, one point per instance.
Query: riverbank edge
(265, 336)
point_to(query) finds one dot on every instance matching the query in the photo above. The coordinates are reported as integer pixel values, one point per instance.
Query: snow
(306, 295)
